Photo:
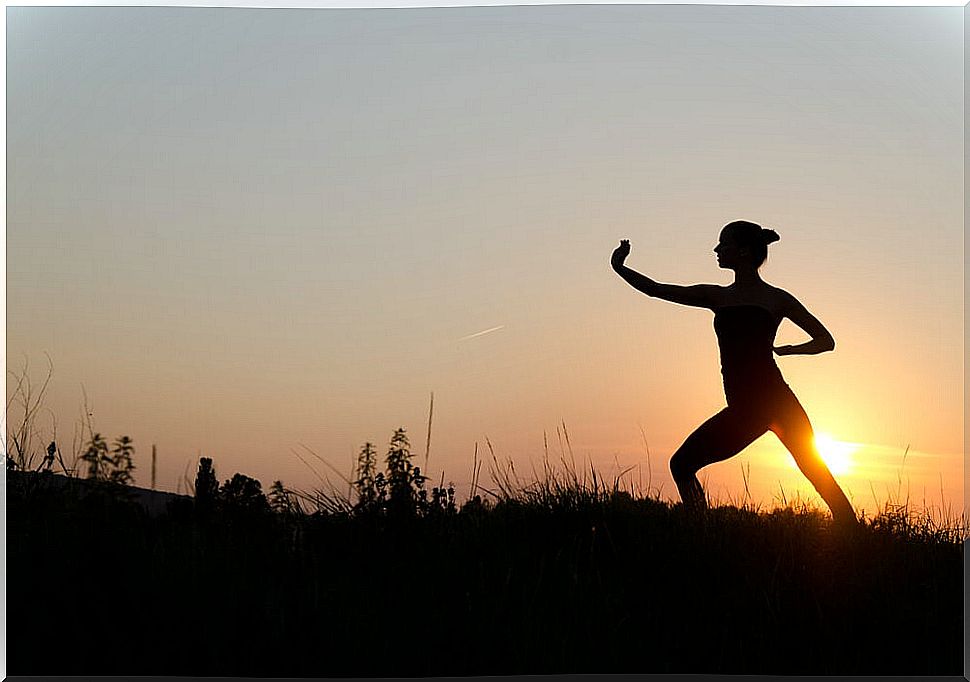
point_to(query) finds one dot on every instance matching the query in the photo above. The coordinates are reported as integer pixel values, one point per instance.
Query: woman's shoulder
(774, 299)
(784, 302)
(764, 292)
(779, 295)
(782, 298)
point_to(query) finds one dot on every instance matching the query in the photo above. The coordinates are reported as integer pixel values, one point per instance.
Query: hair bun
(769, 236)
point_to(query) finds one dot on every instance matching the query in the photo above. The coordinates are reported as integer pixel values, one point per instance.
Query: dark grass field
(572, 581)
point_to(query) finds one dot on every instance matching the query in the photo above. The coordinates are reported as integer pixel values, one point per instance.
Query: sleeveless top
(745, 335)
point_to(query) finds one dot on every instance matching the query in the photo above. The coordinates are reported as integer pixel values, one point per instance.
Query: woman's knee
(682, 465)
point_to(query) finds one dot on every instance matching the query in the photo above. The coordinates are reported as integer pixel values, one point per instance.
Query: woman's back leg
(719, 438)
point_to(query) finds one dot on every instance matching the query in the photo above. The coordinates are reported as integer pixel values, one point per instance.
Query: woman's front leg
(794, 430)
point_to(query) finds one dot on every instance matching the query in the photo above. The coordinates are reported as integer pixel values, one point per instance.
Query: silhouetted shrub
(403, 480)
(114, 466)
(206, 486)
(399, 490)
(369, 497)
(281, 500)
(243, 493)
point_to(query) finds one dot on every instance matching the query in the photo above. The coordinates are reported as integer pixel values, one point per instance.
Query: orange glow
(836, 454)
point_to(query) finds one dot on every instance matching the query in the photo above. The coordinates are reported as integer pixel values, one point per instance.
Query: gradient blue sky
(242, 230)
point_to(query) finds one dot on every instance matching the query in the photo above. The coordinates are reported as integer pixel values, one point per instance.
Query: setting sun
(836, 454)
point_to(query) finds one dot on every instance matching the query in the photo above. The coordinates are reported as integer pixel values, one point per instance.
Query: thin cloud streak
(482, 333)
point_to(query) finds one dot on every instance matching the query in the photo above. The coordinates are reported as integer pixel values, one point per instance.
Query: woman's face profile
(728, 252)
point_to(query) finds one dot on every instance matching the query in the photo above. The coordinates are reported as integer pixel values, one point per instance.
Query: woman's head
(744, 242)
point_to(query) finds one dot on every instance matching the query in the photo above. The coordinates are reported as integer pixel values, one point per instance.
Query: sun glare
(836, 454)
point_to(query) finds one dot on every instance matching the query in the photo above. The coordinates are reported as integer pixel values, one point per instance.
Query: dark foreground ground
(576, 584)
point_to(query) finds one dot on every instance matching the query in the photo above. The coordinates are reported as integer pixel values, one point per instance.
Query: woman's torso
(745, 338)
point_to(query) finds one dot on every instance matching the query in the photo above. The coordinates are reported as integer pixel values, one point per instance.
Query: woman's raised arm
(697, 295)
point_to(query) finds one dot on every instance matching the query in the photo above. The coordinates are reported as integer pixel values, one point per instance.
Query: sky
(251, 234)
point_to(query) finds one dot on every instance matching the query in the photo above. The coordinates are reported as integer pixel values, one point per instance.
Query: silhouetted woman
(746, 316)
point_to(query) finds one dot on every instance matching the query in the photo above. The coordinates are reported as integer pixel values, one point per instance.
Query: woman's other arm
(822, 341)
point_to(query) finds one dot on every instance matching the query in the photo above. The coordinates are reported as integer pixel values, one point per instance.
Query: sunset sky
(246, 230)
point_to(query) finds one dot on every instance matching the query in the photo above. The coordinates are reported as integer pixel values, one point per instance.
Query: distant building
(155, 502)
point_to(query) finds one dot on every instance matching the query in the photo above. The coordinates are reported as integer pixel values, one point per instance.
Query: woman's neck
(745, 278)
